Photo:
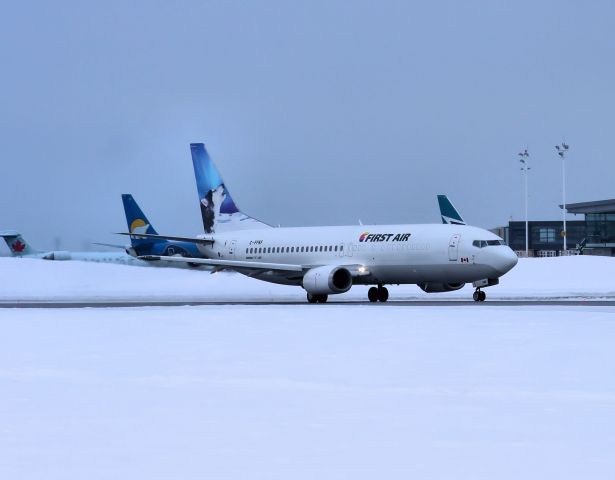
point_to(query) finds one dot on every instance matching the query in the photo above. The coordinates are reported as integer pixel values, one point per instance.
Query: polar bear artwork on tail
(210, 208)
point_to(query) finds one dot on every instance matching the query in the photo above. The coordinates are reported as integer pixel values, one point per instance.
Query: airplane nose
(507, 259)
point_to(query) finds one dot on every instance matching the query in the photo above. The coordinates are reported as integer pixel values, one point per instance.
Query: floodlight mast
(524, 160)
(561, 151)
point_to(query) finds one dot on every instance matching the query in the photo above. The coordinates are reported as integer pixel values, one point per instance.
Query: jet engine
(439, 287)
(59, 255)
(327, 280)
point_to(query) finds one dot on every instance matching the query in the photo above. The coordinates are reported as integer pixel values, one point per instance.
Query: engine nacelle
(59, 255)
(327, 280)
(439, 287)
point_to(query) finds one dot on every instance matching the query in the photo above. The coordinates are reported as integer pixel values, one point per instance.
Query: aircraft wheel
(372, 294)
(383, 294)
(322, 298)
(483, 296)
(312, 298)
(477, 295)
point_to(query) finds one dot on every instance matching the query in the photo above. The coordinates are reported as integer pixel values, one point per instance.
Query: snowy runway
(327, 391)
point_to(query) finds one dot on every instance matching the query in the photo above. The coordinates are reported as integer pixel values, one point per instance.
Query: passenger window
(341, 248)
(292, 249)
(336, 248)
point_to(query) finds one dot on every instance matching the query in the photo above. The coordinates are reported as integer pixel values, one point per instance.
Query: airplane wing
(111, 245)
(256, 267)
(203, 240)
(233, 264)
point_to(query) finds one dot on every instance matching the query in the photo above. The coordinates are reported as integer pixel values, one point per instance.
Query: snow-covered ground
(26, 279)
(307, 392)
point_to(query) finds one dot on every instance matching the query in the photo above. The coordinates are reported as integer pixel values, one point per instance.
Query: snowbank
(41, 280)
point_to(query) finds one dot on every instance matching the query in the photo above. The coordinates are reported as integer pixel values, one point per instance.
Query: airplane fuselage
(390, 254)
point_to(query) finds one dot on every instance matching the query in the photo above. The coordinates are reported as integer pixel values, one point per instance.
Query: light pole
(524, 159)
(561, 151)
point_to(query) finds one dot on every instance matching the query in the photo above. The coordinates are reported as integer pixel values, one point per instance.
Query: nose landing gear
(479, 295)
(380, 294)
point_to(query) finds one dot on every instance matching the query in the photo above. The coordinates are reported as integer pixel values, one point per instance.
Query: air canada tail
(137, 221)
(17, 244)
(218, 210)
(448, 213)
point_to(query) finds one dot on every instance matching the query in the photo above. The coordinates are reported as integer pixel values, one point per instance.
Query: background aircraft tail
(137, 221)
(218, 210)
(448, 212)
(17, 244)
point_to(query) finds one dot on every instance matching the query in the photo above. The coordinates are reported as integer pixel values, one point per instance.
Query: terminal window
(547, 235)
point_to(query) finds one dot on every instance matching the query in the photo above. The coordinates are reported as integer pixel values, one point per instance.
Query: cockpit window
(485, 243)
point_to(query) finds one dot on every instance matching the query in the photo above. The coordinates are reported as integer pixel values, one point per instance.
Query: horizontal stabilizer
(197, 240)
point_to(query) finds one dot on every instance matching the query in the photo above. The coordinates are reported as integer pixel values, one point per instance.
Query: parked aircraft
(449, 213)
(140, 246)
(19, 247)
(330, 260)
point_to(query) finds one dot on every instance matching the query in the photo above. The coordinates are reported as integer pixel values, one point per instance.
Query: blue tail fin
(218, 210)
(448, 213)
(137, 221)
(17, 244)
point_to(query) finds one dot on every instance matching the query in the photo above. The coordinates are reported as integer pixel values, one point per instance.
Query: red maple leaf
(18, 246)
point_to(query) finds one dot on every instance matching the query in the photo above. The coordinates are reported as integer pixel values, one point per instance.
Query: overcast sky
(316, 112)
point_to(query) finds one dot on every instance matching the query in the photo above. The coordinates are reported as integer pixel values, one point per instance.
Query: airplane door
(231, 245)
(350, 249)
(453, 248)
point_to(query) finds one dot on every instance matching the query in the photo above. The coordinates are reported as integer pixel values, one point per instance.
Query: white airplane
(22, 249)
(330, 260)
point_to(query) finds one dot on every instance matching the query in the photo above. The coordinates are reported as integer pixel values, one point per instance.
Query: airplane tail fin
(448, 213)
(17, 244)
(218, 210)
(137, 221)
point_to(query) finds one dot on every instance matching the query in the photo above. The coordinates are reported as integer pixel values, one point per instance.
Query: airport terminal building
(599, 225)
(595, 235)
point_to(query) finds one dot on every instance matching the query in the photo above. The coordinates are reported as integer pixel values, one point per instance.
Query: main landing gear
(380, 294)
(479, 295)
(314, 298)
